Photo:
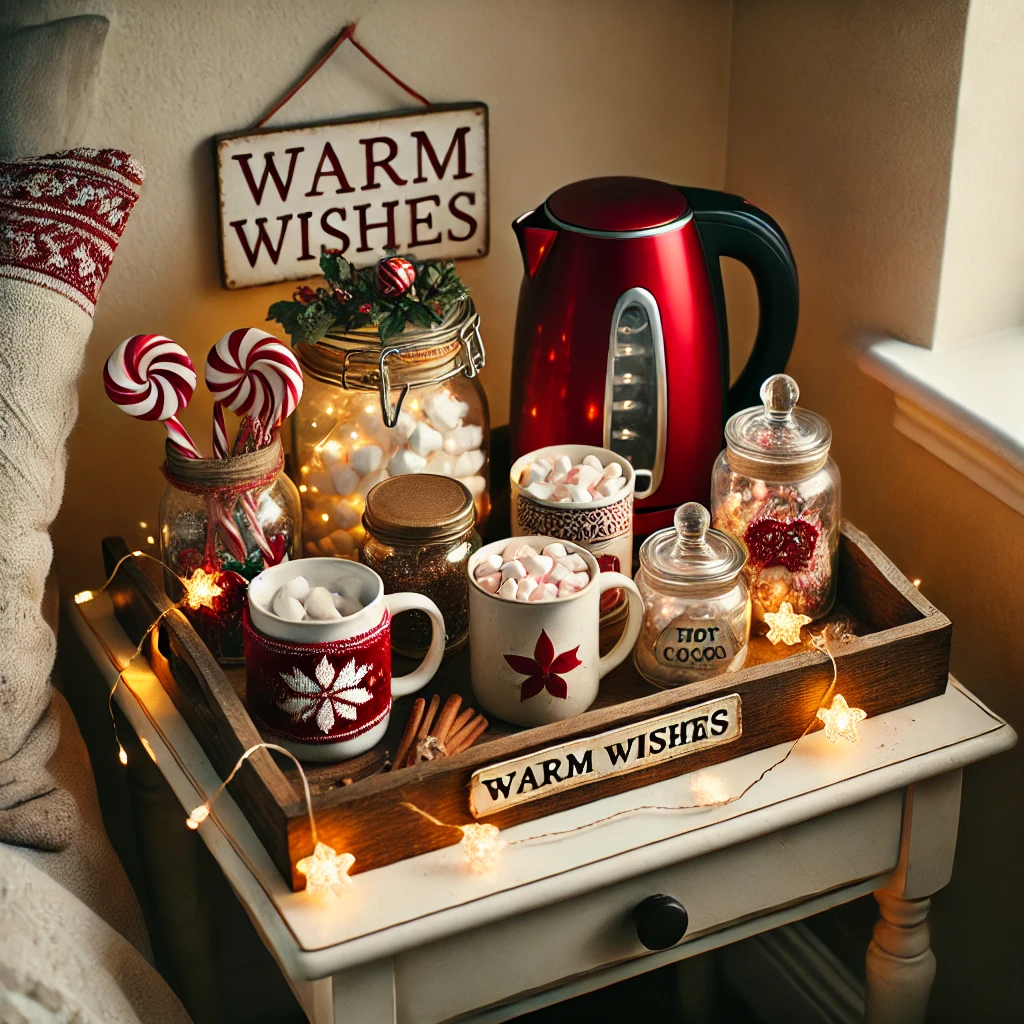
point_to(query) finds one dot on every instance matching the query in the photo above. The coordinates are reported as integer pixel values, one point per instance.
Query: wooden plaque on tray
(899, 654)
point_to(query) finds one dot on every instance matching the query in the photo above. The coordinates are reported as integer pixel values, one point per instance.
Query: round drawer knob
(660, 922)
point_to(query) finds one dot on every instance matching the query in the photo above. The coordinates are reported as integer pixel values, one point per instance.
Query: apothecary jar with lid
(696, 604)
(371, 411)
(776, 490)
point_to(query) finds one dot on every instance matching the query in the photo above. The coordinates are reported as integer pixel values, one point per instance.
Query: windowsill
(964, 405)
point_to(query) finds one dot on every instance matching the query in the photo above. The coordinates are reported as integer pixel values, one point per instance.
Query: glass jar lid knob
(692, 521)
(780, 393)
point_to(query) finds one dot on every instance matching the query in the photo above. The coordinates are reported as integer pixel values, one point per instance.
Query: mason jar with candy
(390, 357)
(776, 490)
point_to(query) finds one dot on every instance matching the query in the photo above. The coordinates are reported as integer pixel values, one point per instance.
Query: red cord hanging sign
(413, 180)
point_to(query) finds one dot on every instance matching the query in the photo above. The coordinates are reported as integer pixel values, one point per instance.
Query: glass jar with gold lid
(419, 536)
(413, 405)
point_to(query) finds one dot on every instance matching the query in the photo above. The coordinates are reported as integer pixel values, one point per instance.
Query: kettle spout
(536, 235)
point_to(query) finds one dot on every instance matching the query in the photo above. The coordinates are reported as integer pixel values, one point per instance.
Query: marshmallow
(579, 579)
(488, 564)
(526, 588)
(440, 464)
(544, 592)
(561, 493)
(612, 470)
(445, 411)
(512, 549)
(574, 562)
(319, 605)
(406, 424)
(366, 459)
(508, 589)
(587, 476)
(556, 550)
(542, 490)
(343, 515)
(513, 570)
(311, 549)
(491, 582)
(475, 485)
(593, 462)
(610, 486)
(567, 588)
(535, 471)
(340, 542)
(537, 566)
(425, 439)
(298, 587)
(286, 607)
(346, 605)
(557, 573)
(469, 463)
(560, 469)
(405, 461)
(578, 493)
(349, 586)
(344, 478)
(463, 439)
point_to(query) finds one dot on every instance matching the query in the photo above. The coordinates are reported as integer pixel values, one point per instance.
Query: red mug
(323, 690)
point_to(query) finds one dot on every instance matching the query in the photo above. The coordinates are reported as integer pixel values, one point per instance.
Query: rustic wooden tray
(899, 655)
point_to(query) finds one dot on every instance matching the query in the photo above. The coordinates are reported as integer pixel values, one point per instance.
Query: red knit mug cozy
(323, 688)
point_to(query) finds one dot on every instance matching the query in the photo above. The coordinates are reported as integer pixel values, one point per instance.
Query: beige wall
(575, 88)
(981, 289)
(840, 123)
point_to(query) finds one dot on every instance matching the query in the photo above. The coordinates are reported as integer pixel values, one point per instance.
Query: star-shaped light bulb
(326, 871)
(201, 588)
(198, 816)
(709, 790)
(841, 720)
(481, 844)
(785, 625)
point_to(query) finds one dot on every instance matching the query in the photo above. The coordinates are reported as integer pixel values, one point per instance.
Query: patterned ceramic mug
(535, 662)
(603, 526)
(323, 690)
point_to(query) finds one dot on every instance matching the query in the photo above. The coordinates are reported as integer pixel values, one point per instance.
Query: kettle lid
(618, 205)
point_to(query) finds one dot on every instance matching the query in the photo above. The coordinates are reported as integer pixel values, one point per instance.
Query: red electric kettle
(621, 336)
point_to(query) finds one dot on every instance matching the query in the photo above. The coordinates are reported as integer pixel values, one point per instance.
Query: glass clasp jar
(776, 490)
(415, 406)
(222, 521)
(419, 536)
(696, 604)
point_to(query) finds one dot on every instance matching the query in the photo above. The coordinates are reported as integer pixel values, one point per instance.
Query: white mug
(535, 662)
(324, 689)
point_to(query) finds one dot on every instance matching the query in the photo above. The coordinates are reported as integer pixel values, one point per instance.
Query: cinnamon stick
(468, 736)
(424, 730)
(415, 717)
(447, 717)
(467, 715)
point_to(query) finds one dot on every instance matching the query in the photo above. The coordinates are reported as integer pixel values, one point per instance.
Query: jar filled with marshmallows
(776, 490)
(373, 410)
(696, 604)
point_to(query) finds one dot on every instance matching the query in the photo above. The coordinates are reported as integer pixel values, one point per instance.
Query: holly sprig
(351, 299)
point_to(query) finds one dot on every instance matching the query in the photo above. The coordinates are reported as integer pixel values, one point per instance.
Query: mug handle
(634, 619)
(415, 680)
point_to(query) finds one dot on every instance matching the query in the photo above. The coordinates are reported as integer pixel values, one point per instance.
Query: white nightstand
(558, 917)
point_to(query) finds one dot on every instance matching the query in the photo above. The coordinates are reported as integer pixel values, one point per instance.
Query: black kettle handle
(730, 226)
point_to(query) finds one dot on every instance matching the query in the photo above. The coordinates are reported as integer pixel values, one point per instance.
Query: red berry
(365, 308)
(395, 276)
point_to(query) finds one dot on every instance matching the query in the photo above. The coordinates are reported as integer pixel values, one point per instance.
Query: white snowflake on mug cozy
(333, 694)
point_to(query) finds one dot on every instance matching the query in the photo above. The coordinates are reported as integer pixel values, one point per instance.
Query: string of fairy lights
(327, 872)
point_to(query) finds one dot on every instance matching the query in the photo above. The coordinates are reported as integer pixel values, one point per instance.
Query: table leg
(900, 963)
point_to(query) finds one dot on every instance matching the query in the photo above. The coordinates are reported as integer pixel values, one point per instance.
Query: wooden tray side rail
(904, 659)
(207, 702)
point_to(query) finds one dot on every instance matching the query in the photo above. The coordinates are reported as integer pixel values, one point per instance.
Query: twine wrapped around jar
(773, 469)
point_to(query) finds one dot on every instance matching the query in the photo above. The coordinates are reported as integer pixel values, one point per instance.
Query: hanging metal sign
(413, 181)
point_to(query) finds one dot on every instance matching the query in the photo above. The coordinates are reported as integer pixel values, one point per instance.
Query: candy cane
(250, 371)
(151, 377)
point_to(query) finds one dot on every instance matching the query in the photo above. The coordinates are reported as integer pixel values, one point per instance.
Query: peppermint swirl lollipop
(251, 372)
(151, 377)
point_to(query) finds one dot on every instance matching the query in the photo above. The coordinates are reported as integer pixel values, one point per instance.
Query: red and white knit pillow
(61, 218)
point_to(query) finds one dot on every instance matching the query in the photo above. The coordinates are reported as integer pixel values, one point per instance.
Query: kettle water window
(634, 417)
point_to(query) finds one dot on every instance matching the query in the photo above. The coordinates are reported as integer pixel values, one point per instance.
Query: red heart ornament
(786, 542)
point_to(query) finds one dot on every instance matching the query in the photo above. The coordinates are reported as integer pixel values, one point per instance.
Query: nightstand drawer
(542, 948)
